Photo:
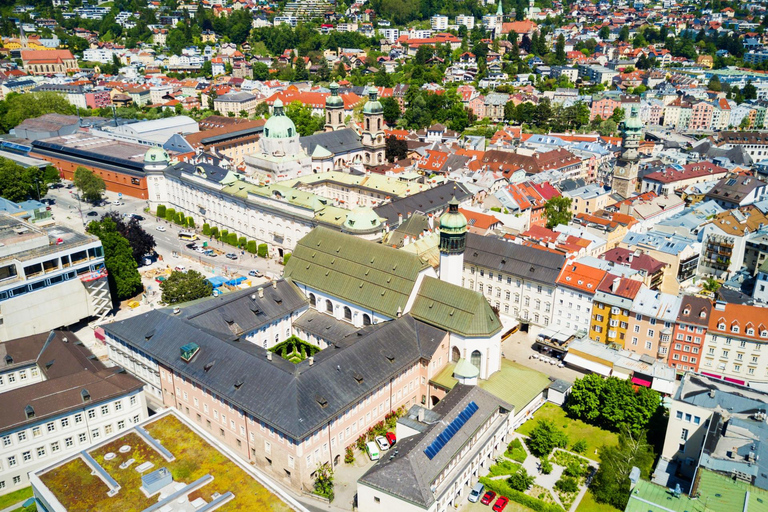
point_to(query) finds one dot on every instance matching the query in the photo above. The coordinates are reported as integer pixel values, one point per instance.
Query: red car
(391, 438)
(500, 504)
(488, 498)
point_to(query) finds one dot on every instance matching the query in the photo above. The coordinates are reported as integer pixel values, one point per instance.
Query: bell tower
(334, 110)
(373, 130)
(626, 169)
(453, 240)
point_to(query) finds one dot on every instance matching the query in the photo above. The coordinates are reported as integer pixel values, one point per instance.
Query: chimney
(269, 355)
(176, 310)
(311, 361)
(712, 393)
(274, 284)
(615, 285)
(261, 293)
(431, 219)
(253, 296)
(421, 415)
(399, 218)
(720, 305)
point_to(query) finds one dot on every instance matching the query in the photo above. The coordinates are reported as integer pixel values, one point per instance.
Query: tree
(521, 480)
(714, 84)
(544, 438)
(560, 49)
(124, 278)
(618, 115)
(260, 71)
(301, 115)
(611, 482)
(160, 212)
(185, 286)
(17, 107)
(567, 484)
(749, 91)
(584, 400)
(142, 243)
(395, 149)
(300, 70)
(558, 211)
(324, 481)
(624, 34)
(19, 184)
(604, 33)
(91, 187)
(391, 109)
(711, 285)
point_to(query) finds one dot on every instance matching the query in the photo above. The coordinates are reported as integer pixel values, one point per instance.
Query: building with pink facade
(701, 116)
(652, 320)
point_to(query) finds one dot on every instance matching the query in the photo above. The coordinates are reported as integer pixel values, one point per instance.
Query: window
(133, 400)
(22, 435)
(328, 306)
(107, 429)
(81, 438)
(78, 418)
(118, 405)
(68, 442)
(64, 422)
(41, 451)
(95, 433)
(26, 456)
(16, 480)
(36, 432)
(679, 415)
(12, 461)
(55, 447)
(684, 434)
(91, 414)
(23, 374)
(6, 440)
(347, 313)
(104, 409)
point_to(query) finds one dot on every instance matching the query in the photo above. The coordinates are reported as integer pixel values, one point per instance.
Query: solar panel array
(451, 430)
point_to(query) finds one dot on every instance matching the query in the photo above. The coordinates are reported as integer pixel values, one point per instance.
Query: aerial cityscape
(383, 255)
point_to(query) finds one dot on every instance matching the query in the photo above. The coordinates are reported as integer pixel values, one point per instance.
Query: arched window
(476, 359)
(455, 355)
(312, 300)
(367, 125)
(366, 319)
(347, 313)
(328, 306)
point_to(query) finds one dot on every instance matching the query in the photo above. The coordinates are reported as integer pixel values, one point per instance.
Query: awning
(641, 382)
(586, 364)
(713, 375)
(735, 381)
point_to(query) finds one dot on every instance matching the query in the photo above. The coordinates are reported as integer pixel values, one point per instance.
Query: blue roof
(663, 242)
(216, 281)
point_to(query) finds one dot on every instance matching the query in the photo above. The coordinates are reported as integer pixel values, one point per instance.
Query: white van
(476, 492)
(373, 450)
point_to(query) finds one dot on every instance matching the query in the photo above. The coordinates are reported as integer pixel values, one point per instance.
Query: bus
(186, 235)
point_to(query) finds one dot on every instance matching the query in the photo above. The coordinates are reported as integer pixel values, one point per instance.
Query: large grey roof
(519, 260)
(429, 201)
(410, 473)
(279, 393)
(337, 142)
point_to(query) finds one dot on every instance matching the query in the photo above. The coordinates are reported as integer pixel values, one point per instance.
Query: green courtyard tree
(324, 481)
(521, 480)
(611, 482)
(124, 278)
(558, 211)
(185, 286)
(301, 115)
(395, 149)
(545, 437)
(91, 187)
(160, 211)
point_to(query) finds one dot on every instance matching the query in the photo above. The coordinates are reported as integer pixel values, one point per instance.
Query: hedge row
(171, 215)
(502, 488)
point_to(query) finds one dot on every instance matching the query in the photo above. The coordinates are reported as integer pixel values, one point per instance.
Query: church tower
(334, 110)
(626, 169)
(373, 131)
(499, 21)
(453, 240)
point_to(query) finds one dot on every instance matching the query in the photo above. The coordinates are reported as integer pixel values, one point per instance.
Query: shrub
(241, 242)
(170, 214)
(251, 246)
(232, 239)
(180, 219)
(521, 480)
(579, 446)
(349, 456)
(286, 258)
(515, 451)
(567, 484)
(262, 250)
(504, 467)
(190, 222)
(360, 443)
(207, 229)
(546, 466)
(215, 232)
(160, 211)
(574, 469)
(223, 235)
(502, 488)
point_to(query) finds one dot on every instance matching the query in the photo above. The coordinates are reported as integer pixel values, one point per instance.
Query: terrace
(142, 477)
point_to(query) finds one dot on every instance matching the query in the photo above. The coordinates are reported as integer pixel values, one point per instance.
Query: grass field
(14, 497)
(576, 429)
(588, 504)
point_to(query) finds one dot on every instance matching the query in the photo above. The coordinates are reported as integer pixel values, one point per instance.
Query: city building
(49, 62)
(50, 277)
(237, 103)
(58, 399)
(651, 323)
(689, 333)
(611, 309)
(626, 169)
(576, 288)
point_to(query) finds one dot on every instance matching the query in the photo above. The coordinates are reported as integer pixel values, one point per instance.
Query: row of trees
(18, 183)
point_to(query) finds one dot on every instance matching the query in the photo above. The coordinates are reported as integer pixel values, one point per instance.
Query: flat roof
(195, 460)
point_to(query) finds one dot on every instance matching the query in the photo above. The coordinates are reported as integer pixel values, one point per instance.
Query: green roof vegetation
(77, 488)
(373, 276)
(455, 309)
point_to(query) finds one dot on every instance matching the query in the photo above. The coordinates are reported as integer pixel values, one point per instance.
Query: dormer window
(29, 411)
(721, 327)
(85, 395)
(764, 334)
(703, 313)
(687, 311)
(751, 331)
(734, 328)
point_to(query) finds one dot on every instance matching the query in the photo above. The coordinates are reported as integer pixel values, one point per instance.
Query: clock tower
(626, 169)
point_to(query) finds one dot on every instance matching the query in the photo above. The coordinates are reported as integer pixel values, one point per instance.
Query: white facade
(439, 22)
(450, 267)
(573, 308)
(390, 34)
(35, 444)
(467, 21)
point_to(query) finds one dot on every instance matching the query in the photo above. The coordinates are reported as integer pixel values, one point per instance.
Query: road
(69, 212)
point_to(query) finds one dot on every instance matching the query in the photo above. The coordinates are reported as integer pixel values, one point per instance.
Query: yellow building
(611, 308)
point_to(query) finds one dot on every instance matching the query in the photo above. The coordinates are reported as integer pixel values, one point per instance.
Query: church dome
(373, 105)
(633, 122)
(156, 155)
(453, 221)
(334, 100)
(279, 126)
(361, 219)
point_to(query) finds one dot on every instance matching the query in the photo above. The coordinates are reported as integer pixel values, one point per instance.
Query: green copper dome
(156, 155)
(632, 122)
(362, 219)
(279, 126)
(334, 100)
(373, 106)
(453, 221)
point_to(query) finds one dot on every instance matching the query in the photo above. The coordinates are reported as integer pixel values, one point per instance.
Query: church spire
(500, 10)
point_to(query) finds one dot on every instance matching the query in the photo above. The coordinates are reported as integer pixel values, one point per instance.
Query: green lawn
(478, 507)
(588, 504)
(6, 500)
(576, 429)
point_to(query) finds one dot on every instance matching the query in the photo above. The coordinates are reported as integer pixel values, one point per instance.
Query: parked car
(500, 504)
(231, 255)
(192, 245)
(70, 185)
(255, 273)
(180, 268)
(210, 252)
(382, 442)
(137, 217)
(372, 450)
(476, 492)
(488, 498)
(92, 214)
(200, 249)
(391, 438)
(117, 203)
(160, 228)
